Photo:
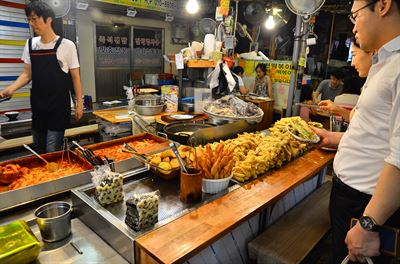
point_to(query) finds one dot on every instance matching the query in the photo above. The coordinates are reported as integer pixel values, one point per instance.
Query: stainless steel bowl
(149, 110)
(220, 119)
(54, 221)
(148, 99)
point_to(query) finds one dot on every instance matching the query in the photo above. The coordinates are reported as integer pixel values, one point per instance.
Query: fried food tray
(13, 198)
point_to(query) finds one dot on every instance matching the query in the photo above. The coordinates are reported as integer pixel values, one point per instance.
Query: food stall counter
(193, 232)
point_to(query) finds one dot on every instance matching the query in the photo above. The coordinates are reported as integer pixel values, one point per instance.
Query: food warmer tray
(108, 221)
(162, 143)
(13, 198)
(130, 163)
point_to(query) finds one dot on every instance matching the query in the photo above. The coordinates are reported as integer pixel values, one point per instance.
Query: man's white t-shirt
(66, 53)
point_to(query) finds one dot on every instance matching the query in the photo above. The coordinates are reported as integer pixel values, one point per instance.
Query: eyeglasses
(351, 15)
(32, 19)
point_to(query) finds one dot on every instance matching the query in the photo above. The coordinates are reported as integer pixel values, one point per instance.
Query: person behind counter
(361, 61)
(263, 83)
(367, 164)
(51, 63)
(329, 89)
(238, 71)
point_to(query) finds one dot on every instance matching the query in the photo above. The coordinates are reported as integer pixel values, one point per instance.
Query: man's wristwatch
(369, 224)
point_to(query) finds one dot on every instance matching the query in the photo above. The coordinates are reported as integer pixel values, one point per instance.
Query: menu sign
(147, 48)
(112, 46)
(155, 5)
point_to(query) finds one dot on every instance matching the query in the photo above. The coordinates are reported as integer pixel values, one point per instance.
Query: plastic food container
(18, 244)
(215, 185)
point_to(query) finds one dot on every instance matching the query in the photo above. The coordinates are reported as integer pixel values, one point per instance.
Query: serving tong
(89, 155)
(5, 99)
(178, 156)
(128, 149)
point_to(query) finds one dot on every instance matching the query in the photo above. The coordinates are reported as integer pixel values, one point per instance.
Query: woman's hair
(262, 67)
(41, 9)
(238, 70)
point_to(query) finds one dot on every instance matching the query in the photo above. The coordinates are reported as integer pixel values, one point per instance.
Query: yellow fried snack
(165, 166)
(174, 163)
(155, 160)
(166, 159)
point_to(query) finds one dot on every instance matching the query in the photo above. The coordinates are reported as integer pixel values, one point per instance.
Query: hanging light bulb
(192, 6)
(270, 23)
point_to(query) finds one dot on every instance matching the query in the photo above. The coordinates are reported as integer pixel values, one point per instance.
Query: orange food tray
(33, 170)
(113, 149)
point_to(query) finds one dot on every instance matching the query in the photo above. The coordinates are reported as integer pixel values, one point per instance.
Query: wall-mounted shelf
(201, 64)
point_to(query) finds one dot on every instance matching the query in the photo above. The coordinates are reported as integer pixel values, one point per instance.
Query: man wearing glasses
(367, 165)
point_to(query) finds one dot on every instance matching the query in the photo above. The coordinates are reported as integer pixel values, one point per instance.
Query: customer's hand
(5, 93)
(329, 106)
(327, 138)
(362, 243)
(78, 112)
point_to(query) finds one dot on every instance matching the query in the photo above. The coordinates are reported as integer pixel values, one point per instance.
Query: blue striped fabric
(8, 78)
(13, 24)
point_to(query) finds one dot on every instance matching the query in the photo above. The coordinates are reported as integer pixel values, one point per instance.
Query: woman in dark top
(263, 83)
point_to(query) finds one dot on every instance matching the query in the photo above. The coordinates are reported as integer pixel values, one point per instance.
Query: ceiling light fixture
(270, 23)
(192, 6)
(131, 12)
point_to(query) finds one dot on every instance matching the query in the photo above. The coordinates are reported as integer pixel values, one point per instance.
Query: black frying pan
(181, 131)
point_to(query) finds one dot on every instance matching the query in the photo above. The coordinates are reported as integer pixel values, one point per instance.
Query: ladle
(50, 166)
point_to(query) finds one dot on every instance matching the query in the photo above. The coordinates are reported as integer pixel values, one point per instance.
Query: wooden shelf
(201, 64)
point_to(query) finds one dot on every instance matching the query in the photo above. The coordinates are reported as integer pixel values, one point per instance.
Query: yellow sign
(154, 5)
(279, 71)
(224, 4)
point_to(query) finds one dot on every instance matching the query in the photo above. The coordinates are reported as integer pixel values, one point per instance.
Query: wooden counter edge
(147, 251)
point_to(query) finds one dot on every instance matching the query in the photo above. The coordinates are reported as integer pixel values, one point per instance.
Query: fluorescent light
(270, 23)
(169, 18)
(82, 5)
(131, 12)
(192, 6)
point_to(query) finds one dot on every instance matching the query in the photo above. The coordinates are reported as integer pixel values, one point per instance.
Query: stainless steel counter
(92, 247)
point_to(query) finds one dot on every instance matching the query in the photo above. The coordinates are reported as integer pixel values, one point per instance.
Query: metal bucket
(54, 221)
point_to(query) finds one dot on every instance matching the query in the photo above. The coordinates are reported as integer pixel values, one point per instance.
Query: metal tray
(108, 222)
(25, 195)
(163, 143)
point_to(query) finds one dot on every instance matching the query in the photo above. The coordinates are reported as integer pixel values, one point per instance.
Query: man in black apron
(51, 84)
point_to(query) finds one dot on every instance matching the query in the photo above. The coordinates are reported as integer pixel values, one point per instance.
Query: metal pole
(295, 61)
(300, 70)
(330, 44)
(235, 24)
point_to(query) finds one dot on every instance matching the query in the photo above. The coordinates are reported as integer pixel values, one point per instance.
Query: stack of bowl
(148, 105)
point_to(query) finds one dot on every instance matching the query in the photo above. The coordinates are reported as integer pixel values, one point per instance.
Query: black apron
(50, 98)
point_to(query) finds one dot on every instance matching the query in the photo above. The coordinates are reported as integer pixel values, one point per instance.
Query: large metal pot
(54, 221)
(181, 132)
